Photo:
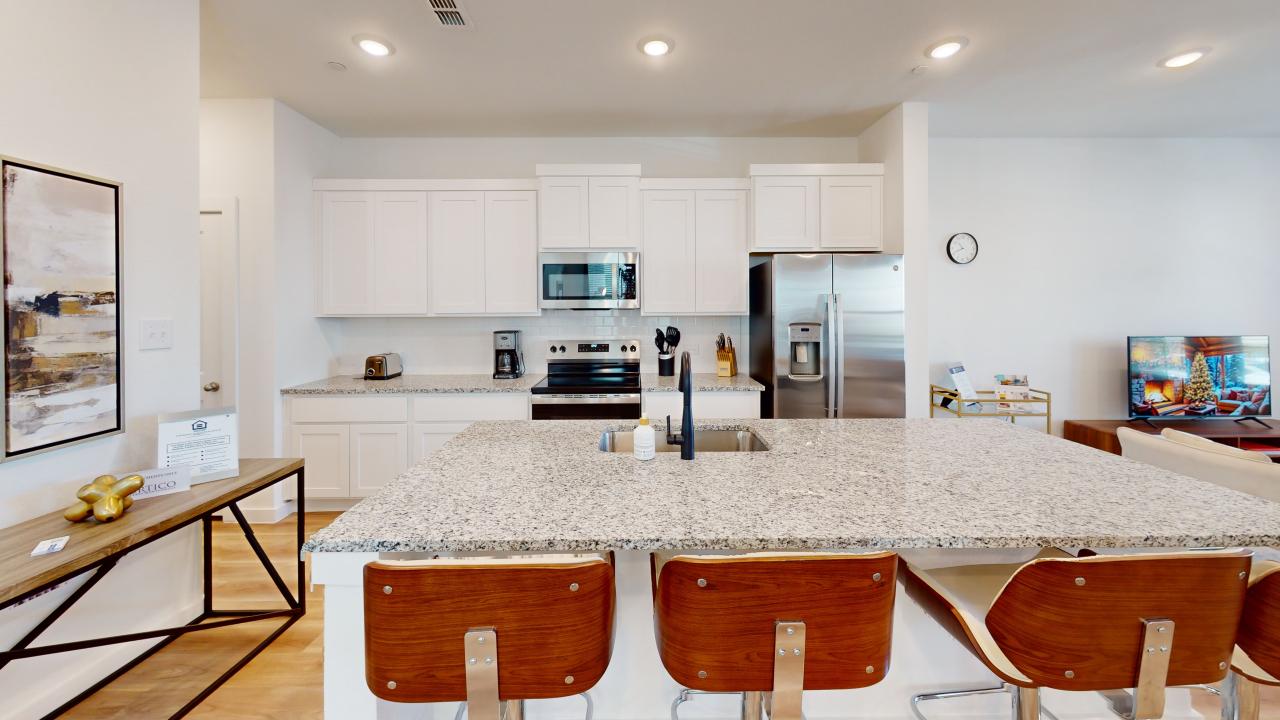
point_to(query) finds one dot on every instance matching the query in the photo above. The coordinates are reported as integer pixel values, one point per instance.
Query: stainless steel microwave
(589, 280)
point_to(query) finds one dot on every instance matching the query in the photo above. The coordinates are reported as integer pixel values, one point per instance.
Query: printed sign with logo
(205, 441)
(163, 481)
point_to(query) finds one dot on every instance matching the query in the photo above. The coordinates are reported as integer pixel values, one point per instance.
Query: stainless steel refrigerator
(826, 335)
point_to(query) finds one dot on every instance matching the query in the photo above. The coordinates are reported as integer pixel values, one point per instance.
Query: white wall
(265, 154)
(1087, 241)
(115, 98)
(516, 157)
(900, 140)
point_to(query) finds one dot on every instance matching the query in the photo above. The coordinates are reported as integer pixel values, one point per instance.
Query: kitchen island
(987, 490)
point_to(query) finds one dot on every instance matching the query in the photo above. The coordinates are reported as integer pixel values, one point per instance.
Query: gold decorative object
(106, 498)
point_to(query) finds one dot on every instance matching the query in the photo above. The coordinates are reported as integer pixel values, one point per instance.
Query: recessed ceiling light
(655, 47)
(336, 66)
(1184, 59)
(946, 48)
(375, 46)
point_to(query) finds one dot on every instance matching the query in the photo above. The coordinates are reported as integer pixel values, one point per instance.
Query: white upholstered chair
(1257, 655)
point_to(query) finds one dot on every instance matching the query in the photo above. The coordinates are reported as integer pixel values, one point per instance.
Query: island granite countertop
(545, 486)
(408, 384)
(702, 382)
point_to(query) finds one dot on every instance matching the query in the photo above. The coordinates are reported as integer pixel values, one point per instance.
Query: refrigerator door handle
(832, 350)
(838, 322)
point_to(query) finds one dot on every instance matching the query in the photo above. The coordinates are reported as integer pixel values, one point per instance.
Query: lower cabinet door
(430, 436)
(379, 453)
(326, 449)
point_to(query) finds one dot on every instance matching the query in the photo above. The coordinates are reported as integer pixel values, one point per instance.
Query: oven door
(586, 407)
(589, 281)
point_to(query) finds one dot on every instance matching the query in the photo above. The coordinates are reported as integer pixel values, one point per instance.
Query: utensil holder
(666, 364)
(726, 363)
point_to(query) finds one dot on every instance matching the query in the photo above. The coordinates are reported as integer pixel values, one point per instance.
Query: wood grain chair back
(1081, 623)
(715, 618)
(1259, 634)
(552, 619)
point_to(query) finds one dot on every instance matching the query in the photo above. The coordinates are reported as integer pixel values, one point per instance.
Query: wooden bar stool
(1257, 657)
(1100, 623)
(490, 632)
(771, 625)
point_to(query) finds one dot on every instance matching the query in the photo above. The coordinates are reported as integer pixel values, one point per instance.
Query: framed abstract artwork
(60, 233)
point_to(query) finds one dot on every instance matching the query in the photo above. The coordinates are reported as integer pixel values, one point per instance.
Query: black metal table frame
(297, 604)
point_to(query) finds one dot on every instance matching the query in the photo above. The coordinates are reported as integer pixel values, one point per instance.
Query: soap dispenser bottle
(644, 447)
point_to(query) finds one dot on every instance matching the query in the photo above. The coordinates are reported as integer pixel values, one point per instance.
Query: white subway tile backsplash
(465, 345)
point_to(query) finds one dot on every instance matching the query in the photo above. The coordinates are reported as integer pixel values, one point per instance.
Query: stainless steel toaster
(383, 367)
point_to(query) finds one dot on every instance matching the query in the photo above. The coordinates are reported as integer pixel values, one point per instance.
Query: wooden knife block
(726, 363)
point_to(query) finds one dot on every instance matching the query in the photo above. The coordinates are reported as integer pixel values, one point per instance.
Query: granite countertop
(472, 383)
(544, 486)
(702, 382)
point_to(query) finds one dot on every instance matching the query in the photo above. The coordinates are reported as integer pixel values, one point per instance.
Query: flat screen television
(1200, 376)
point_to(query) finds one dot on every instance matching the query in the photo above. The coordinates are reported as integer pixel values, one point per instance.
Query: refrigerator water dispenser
(806, 350)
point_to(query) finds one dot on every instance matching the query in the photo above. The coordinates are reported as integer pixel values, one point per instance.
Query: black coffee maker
(508, 362)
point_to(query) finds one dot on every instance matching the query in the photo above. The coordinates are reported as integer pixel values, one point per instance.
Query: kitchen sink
(623, 441)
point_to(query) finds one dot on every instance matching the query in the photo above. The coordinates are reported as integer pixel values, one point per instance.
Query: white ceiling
(754, 67)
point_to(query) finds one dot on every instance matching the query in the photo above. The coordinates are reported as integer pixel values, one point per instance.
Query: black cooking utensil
(673, 338)
(661, 342)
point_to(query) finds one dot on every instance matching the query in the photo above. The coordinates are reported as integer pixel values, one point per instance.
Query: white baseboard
(76, 676)
(267, 516)
(331, 504)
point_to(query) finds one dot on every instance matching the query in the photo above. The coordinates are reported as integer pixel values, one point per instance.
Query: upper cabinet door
(668, 253)
(615, 212)
(456, 244)
(346, 250)
(400, 253)
(786, 212)
(722, 257)
(562, 213)
(511, 252)
(852, 212)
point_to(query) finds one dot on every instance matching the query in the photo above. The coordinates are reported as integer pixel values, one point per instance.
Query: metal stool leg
(591, 706)
(925, 697)
(1026, 704)
(752, 705)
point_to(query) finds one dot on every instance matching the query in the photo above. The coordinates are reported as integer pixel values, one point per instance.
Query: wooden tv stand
(1247, 435)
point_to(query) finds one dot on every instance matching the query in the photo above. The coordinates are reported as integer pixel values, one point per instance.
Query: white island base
(636, 687)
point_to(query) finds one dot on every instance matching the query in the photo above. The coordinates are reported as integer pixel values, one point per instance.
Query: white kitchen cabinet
(511, 253)
(326, 450)
(346, 249)
(669, 252)
(400, 253)
(373, 253)
(852, 212)
(379, 454)
(721, 258)
(695, 252)
(431, 436)
(354, 445)
(706, 405)
(457, 252)
(613, 209)
(562, 213)
(786, 212)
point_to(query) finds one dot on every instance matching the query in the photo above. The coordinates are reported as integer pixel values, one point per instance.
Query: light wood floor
(285, 681)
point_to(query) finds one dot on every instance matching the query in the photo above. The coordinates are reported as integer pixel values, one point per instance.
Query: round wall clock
(962, 248)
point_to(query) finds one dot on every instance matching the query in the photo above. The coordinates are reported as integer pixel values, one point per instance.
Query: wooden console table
(1101, 434)
(96, 548)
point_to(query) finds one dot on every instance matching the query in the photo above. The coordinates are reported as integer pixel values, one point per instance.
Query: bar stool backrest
(1259, 634)
(715, 618)
(1078, 623)
(553, 621)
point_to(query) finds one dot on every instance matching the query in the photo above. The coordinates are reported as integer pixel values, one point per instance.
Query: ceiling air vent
(450, 14)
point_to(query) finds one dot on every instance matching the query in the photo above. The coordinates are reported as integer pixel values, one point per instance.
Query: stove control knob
(553, 348)
(633, 348)
(561, 348)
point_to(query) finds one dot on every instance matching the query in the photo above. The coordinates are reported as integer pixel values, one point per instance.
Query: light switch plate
(156, 334)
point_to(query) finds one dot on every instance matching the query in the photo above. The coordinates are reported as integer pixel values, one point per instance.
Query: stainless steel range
(589, 380)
